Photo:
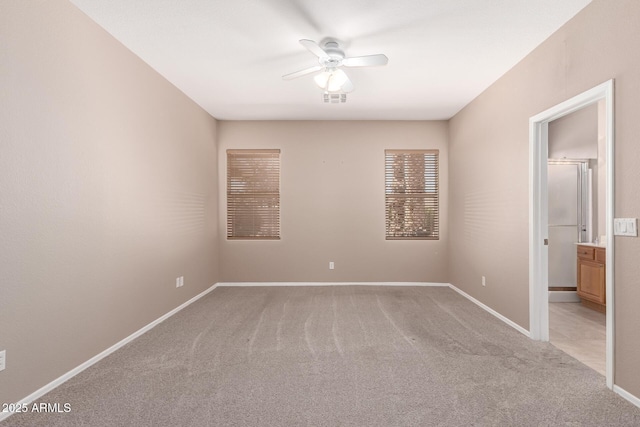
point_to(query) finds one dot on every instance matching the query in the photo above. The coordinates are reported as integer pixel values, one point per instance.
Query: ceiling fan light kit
(333, 80)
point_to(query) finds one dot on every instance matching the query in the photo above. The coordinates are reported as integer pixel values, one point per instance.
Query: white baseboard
(563, 296)
(492, 311)
(75, 371)
(626, 395)
(332, 284)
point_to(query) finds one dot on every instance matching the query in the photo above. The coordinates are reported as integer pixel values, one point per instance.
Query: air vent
(334, 98)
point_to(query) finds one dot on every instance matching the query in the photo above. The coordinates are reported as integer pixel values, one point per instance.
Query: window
(253, 194)
(411, 194)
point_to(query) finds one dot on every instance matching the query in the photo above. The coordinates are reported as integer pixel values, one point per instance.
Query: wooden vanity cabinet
(591, 277)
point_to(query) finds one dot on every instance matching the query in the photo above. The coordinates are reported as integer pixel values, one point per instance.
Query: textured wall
(489, 167)
(107, 189)
(332, 204)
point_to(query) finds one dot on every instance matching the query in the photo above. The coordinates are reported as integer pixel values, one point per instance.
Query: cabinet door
(591, 281)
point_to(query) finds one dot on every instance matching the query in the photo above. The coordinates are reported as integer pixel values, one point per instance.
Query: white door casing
(538, 214)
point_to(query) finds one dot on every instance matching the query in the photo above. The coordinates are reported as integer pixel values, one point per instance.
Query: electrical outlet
(3, 359)
(484, 281)
(331, 265)
(181, 281)
(177, 282)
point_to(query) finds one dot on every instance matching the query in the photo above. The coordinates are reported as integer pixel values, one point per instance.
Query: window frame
(254, 190)
(426, 196)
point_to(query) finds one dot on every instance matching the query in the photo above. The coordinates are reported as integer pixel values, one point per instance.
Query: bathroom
(577, 234)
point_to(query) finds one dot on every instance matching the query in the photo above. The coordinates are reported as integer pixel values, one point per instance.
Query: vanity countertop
(593, 245)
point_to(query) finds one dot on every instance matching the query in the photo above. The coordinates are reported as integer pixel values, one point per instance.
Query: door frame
(538, 214)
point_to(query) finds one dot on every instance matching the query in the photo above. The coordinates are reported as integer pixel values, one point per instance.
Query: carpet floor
(335, 356)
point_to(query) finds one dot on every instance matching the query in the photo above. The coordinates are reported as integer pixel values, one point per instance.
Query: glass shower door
(567, 187)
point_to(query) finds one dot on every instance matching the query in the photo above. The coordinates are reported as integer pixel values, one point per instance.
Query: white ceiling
(229, 55)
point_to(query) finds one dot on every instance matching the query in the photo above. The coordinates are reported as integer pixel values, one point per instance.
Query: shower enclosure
(570, 216)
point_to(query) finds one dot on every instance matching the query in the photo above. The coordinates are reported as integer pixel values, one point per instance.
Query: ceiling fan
(331, 58)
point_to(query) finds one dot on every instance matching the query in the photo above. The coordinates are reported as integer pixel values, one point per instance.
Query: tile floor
(579, 332)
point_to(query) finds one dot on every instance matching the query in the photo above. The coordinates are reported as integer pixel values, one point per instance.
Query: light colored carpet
(329, 356)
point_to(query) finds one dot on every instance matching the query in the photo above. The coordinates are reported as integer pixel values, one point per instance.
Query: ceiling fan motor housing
(335, 55)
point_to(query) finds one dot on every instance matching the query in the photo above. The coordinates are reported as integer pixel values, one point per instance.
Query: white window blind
(253, 194)
(411, 194)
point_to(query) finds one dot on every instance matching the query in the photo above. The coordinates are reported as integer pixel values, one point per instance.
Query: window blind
(411, 194)
(253, 194)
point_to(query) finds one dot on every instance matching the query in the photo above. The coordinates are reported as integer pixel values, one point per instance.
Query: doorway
(539, 214)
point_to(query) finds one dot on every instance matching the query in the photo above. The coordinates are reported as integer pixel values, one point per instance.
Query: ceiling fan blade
(313, 48)
(366, 61)
(301, 73)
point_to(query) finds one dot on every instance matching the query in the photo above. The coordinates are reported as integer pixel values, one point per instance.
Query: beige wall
(332, 204)
(575, 136)
(488, 155)
(107, 190)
